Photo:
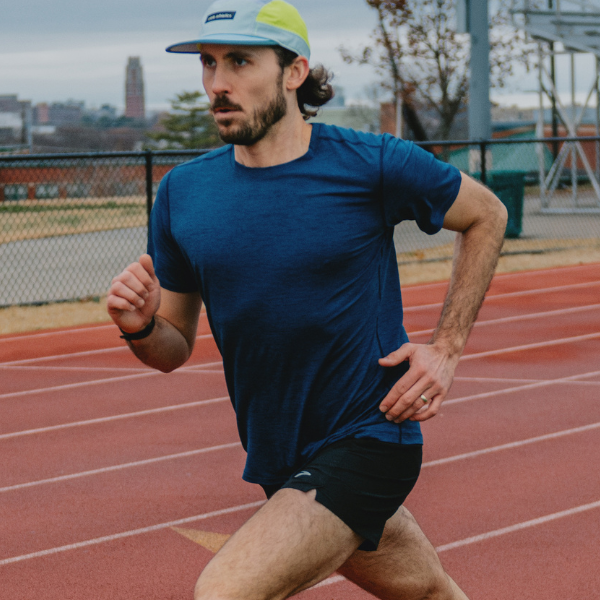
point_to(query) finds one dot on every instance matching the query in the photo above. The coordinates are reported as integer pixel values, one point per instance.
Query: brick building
(134, 89)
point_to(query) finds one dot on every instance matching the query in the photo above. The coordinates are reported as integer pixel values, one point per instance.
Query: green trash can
(509, 186)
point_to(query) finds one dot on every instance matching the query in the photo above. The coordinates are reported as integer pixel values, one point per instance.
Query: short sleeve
(171, 266)
(416, 186)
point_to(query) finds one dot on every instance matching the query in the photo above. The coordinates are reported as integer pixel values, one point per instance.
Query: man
(287, 237)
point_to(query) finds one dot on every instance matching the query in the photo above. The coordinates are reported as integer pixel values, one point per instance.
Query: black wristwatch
(139, 335)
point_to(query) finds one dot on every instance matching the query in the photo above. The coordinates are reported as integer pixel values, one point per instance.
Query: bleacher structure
(565, 27)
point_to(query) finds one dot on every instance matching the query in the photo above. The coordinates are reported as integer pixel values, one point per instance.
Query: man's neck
(287, 140)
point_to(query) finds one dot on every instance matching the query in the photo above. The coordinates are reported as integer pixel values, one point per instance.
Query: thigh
(405, 566)
(291, 543)
(362, 481)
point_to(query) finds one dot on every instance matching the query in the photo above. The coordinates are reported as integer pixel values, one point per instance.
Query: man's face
(245, 88)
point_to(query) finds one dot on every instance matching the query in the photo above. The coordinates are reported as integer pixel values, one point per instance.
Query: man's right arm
(135, 297)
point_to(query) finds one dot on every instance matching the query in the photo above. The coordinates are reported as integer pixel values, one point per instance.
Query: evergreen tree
(189, 125)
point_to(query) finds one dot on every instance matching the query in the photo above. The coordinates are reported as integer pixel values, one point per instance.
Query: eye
(240, 61)
(207, 61)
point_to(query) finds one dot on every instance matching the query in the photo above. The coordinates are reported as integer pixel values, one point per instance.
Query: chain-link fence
(69, 223)
(550, 188)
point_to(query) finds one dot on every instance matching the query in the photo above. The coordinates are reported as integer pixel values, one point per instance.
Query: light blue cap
(250, 23)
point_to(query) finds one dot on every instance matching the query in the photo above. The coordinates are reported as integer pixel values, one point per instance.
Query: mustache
(222, 102)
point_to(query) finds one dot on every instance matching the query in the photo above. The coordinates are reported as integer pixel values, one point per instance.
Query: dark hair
(315, 91)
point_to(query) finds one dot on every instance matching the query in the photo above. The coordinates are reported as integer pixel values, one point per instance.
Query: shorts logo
(303, 473)
(221, 16)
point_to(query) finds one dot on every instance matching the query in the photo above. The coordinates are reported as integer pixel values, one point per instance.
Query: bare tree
(424, 61)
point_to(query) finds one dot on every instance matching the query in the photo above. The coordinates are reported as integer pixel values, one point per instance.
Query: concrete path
(66, 267)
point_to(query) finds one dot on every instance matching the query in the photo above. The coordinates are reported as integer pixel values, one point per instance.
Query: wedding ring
(424, 399)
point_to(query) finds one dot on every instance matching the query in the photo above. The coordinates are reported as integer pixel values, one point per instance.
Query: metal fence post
(149, 186)
(482, 148)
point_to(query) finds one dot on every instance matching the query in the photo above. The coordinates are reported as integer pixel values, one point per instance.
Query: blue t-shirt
(297, 268)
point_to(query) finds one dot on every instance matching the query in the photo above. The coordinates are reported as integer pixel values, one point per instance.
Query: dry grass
(35, 219)
(424, 272)
(15, 319)
(29, 318)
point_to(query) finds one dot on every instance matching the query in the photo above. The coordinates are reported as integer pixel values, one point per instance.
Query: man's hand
(134, 296)
(430, 374)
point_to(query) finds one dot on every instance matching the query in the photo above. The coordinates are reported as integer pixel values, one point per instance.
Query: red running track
(102, 457)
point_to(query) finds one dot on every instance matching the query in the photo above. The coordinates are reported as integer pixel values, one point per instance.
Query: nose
(219, 83)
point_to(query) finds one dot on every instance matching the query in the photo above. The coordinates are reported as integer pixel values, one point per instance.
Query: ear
(296, 73)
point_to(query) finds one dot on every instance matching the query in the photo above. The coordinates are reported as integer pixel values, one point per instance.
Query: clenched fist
(134, 296)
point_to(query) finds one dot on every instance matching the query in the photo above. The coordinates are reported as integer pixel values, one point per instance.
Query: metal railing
(70, 222)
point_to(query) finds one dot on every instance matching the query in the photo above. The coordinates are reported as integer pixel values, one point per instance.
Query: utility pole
(480, 109)
(553, 78)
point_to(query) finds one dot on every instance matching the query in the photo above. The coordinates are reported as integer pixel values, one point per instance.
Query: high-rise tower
(134, 89)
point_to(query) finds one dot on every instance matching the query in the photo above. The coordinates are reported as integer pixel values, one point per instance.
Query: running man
(286, 235)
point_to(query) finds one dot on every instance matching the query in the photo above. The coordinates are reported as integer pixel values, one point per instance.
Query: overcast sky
(62, 49)
(53, 51)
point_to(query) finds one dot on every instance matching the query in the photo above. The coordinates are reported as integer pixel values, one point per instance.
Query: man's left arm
(479, 219)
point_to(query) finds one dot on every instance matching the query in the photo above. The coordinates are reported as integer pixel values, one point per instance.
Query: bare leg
(291, 543)
(405, 566)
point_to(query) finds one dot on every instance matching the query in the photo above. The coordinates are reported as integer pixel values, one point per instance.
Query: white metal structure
(571, 27)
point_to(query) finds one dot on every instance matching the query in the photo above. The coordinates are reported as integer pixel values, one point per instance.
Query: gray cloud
(65, 16)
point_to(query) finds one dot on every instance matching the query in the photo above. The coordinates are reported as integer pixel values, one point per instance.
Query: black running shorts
(362, 481)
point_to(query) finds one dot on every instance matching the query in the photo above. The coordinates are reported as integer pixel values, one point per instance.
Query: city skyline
(70, 50)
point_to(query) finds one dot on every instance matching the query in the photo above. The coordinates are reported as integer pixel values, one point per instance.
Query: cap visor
(229, 38)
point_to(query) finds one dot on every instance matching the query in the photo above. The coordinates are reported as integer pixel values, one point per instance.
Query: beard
(254, 129)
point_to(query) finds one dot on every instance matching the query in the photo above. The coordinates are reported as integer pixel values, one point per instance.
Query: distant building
(58, 113)
(15, 120)
(512, 113)
(41, 114)
(10, 104)
(134, 89)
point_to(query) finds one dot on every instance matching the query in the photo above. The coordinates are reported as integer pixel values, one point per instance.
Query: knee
(436, 587)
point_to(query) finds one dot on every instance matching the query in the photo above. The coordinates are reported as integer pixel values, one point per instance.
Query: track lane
(473, 369)
(554, 561)
(95, 446)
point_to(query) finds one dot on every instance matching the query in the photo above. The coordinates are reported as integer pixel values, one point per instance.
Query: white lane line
(75, 369)
(558, 288)
(137, 463)
(528, 386)
(79, 384)
(75, 330)
(432, 463)
(497, 277)
(217, 513)
(556, 342)
(141, 413)
(188, 369)
(537, 384)
(25, 361)
(82, 353)
(511, 445)
(218, 371)
(509, 380)
(497, 379)
(203, 367)
(133, 532)
(543, 272)
(518, 527)
(515, 318)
